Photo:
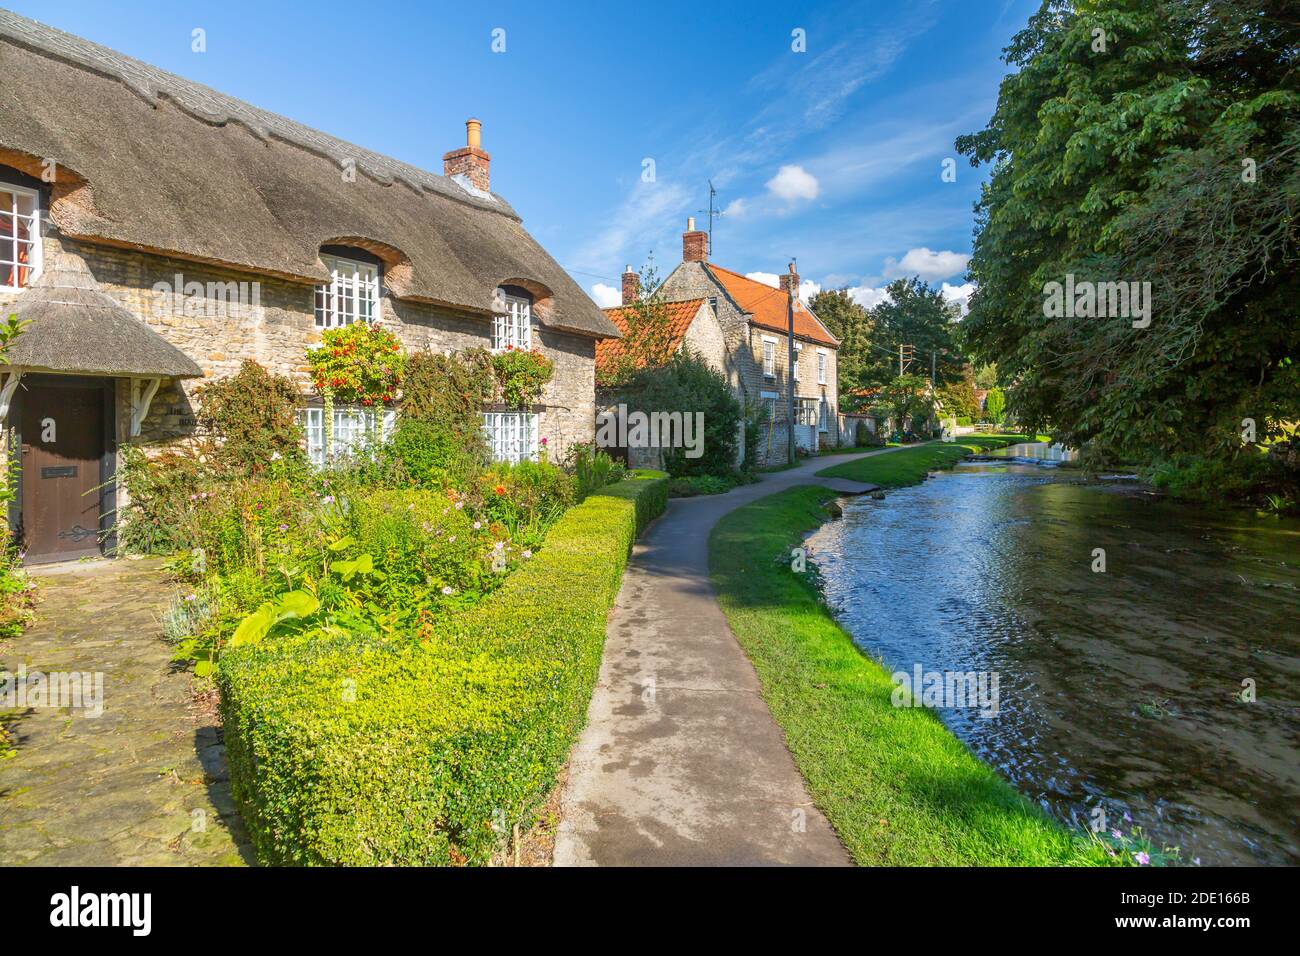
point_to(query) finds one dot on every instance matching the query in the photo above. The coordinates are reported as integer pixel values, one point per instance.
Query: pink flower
(528, 553)
(1142, 858)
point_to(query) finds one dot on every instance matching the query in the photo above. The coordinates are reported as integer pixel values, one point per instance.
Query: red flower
(500, 489)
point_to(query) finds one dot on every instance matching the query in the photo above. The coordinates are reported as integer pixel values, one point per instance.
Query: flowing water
(1117, 688)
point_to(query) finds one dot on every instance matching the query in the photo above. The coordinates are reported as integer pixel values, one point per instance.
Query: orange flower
(500, 489)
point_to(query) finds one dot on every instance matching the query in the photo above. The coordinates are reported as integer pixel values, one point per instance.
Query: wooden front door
(63, 445)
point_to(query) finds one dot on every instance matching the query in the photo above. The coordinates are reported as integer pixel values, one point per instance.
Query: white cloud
(794, 182)
(606, 295)
(926, 264)
(736, 208)
(807, 288)
(869, 297)
(960, 294)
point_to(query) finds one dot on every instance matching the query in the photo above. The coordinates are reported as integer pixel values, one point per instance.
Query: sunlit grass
(910, 465)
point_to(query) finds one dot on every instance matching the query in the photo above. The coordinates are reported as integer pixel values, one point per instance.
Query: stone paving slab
(146, 782)
(681, 762)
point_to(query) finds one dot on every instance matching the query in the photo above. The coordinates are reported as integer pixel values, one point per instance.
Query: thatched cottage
(156, 232)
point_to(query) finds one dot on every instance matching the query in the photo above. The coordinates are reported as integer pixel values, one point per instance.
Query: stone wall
(272, 321)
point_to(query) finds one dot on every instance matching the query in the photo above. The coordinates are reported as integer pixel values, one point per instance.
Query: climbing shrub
(521, 374)
(252, 421)
(449, 390)
(361, 749)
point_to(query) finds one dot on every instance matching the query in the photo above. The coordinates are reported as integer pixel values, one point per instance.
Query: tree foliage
(915, 314)
(1145, 141)
(648, 341)
(849, 322)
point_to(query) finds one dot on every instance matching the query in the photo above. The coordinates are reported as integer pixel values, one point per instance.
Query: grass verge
(910, 465)
(895, 783)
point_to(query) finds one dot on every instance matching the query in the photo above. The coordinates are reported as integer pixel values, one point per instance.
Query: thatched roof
(149, 160)
(76, 328)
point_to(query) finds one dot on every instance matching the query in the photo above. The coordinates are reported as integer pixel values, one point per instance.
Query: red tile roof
(767, 307)
(680, 317)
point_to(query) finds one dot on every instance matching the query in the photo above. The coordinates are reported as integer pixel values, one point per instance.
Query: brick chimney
(789, 280)
(471, 161)
(631, 286)
(695, 243)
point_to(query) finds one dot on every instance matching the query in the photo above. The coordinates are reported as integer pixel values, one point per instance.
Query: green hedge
(365, 752)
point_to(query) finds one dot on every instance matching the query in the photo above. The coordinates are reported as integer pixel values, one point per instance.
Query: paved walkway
(143, 783)
(681, 762)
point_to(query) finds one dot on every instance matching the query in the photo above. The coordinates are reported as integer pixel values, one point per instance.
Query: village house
(751, 346)
(155, 232)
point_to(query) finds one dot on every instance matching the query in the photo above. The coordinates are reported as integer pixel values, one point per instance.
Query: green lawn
(907, 467)
(898, 787)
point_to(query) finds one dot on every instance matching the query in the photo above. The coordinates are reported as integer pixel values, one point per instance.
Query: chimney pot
(695, 243)
(790, 280)
(470, 160)
(631, 286)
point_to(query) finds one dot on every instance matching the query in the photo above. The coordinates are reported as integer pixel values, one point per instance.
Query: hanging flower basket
(358, 364)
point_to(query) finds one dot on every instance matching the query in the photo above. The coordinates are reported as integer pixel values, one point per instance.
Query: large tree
(1145, 141)
(917, 315)
(849, 322)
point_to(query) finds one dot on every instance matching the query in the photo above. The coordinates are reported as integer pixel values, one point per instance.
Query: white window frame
(823, 360)
(351, 295)
(511, 436)
(355, 428)
(512, 326)
(769, 357)
(10, 243)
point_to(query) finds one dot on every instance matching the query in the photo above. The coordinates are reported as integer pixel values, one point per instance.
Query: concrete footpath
(681, 763)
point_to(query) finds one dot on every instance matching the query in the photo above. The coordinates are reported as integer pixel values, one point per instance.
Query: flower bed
(348, 748)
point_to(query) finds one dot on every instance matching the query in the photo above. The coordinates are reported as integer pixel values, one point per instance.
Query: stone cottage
(753, 347)
(156, 232)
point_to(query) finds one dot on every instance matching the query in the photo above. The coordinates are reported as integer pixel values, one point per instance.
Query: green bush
(693, 485)
(1199, 478)
(383, 750)
(450, 390)
(430, 454)
(689, 384)
(252, 420)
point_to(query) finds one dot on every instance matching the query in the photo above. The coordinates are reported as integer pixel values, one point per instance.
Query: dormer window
(352, 294)
(20, 237)
(512, 321)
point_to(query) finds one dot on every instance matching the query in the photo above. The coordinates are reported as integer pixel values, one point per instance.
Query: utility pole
(905, 355)
(791, 292)
(712, 214)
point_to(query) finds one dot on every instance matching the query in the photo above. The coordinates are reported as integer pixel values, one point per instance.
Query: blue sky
(832, 155)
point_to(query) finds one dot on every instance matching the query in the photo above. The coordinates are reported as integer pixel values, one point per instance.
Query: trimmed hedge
(369, 752)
